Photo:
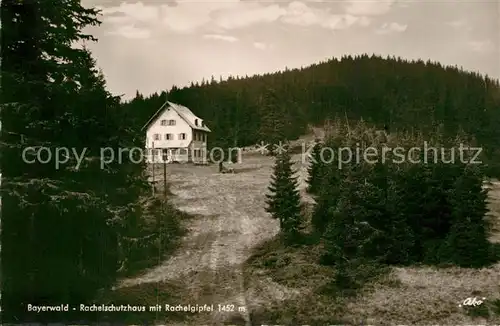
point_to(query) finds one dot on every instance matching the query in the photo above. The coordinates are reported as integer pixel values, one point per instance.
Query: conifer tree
(467, 241)
(73, 217)
(395, 241)
(348, 236)
(316, 170)
(328, 194)
(272, 122)
(284, 200)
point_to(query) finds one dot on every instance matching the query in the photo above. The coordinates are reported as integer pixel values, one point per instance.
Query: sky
(151, 45)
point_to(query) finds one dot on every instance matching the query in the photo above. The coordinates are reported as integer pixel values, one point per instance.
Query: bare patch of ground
(231, 220)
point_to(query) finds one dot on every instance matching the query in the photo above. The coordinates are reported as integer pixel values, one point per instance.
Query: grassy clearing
(297, 289)
(429, 295)
(285, 286)
(409, 295)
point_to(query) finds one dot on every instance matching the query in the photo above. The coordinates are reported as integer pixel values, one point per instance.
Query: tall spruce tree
(284, 200)
(382, 199)
(61, 224)
(316, 170)
(272, 122)
(466, 243)
(329, 192)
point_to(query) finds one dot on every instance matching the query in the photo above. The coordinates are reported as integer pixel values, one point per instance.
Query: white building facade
(175, 134)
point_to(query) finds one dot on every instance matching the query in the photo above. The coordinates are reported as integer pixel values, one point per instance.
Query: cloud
(132, 12)
(456, 23)
(130, 31)
(226, 38)
(298, 13)
(368, 8)
(295, 13)
(481, 46)
(336, 22)
(184, 17)
(119, 20)
(188, 16)
(182, 21)
(248, 14)
(261, 46)
(364, 21)
(217, 16)
(461, 25)
(387, 28)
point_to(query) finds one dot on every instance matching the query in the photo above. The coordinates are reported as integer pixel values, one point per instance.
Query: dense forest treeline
(69, 230)
(400, 94)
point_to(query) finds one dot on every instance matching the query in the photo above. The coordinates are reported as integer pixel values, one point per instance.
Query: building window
(169, 136)
(204, 137)
(154, 152)
(163, 122)
(171, 122)
(182, 151)
(156, 136)
(182, 136)
(196, 122)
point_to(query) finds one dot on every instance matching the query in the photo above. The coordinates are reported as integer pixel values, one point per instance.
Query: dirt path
(231, 221)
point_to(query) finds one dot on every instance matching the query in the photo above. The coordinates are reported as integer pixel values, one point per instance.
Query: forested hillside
(72, 222)
(394, 92)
